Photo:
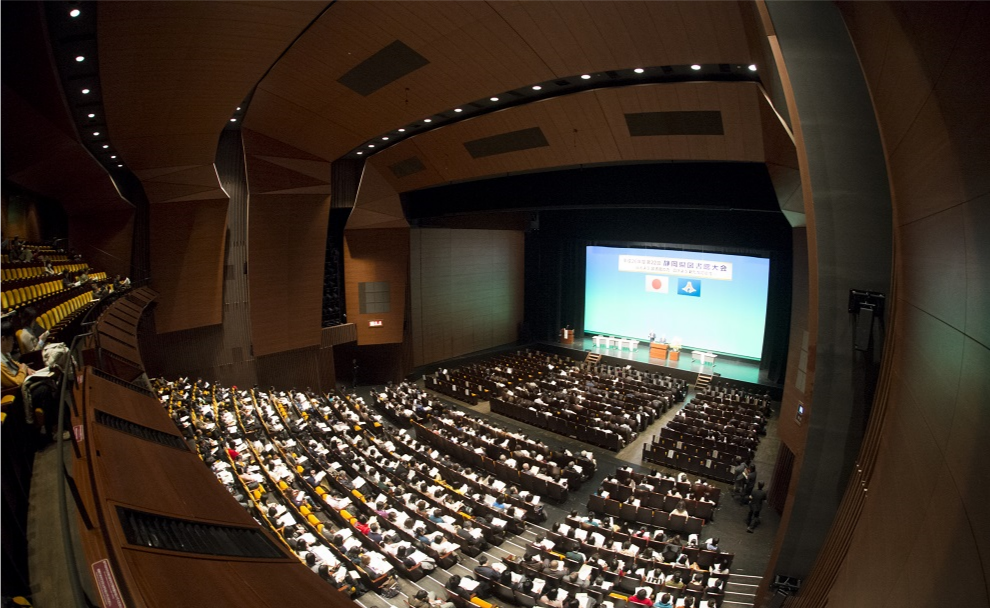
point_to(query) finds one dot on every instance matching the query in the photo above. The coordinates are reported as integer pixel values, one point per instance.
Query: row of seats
(34, 294)
(26, 270)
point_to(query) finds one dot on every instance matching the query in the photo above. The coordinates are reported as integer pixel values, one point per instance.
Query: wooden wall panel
(373, 255)
(289, 210)
(104, 240)
(587, 128)
(187, 244)
(930, 471)
(287, 244)
(466, 290)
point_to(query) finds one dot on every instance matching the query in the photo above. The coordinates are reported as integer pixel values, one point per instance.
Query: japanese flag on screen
(656, 284)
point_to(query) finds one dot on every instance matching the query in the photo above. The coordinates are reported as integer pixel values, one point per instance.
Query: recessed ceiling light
(96, 133)
(696, 67)
(427, 120)
(494, 98)
(105, 146)
(585, 76)
(402, 130)
(458, 110)
(113, 156)
(75, 12)
(537, 87)
(85, 91)
(80, 58)
(359, 153)
(91, 115)
(371, 145)
(238, 109)
(638, 70)
(752, 67)
(384, 139)
(120, 165)
(233, 120)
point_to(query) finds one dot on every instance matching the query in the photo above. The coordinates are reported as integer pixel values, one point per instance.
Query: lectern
(658, 350)
(566, 336)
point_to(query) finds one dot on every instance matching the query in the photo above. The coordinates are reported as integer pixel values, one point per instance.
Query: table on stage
(703, 356)
(610, 342)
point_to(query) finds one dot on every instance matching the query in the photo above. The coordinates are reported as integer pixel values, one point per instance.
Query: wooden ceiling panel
(587, 128)
(475, 50)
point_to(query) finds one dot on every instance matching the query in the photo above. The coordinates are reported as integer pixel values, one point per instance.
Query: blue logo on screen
(689, 287)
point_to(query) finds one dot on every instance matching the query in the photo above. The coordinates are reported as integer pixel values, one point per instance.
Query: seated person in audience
(680, 509)
(549, 597)
(666, 601)
(556, 568)
(641, 597)
(428, 599)
(712, 544)
(14, 372)
(486, 571)
(365, 562)
(674, 582)
(31, 336)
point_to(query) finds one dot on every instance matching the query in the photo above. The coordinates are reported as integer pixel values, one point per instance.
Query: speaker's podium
(567, 336)
(658, 350)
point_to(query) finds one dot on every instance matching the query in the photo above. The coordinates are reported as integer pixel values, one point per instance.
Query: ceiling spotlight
(585, 76)
(360, 153)
(75, 13)
(113, 156)
(537, 87)
(384, 139)
(238, 109)
(695, 67)
(120, 165)
(427, 120)
(639, 70)
(371, 145)
(91, 115)
(233, 120)
(458, 110)
(80, 58)
(402, 130)
(96, 133)
(85, 91)
(752, 67)
(105, 146)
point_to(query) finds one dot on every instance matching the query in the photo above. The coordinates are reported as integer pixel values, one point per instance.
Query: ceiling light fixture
(112, 156)
(120, 165)
(427, 120)
(233, 120)
(752, 67)
(494, 98)
(359, 153)
(585, 76)
(696, 67)
(537, 87)
(384, 139)
(402, 130)
(96, 133)
(458, 110)
(80, 58)
(75, 13)
(91, 115)
(105, 146)
(371, 145)
(85, 91)
(639, 70)
(238, 109)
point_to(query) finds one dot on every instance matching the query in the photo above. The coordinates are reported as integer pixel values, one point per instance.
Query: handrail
(78, 594)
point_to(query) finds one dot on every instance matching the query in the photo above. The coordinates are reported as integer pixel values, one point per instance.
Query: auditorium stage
(743, 370)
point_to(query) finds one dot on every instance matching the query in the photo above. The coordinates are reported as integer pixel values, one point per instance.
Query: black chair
(596, 504)
(677, 523)
(627, 511)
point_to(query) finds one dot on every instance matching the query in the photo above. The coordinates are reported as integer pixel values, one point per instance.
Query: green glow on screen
(713, 302)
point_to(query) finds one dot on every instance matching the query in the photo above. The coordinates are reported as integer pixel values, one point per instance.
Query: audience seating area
(711, 434)
(599, 404)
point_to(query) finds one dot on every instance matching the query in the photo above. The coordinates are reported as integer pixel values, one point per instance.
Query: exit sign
(377, 323)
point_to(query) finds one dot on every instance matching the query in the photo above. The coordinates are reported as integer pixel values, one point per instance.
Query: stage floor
(743, 370)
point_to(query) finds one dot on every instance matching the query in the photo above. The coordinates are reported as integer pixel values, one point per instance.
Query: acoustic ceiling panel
(675, 123)
(407, 167)
(514, 141)
(383, 68)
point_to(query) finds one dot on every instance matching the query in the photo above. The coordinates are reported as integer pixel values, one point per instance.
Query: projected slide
(710, 301)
